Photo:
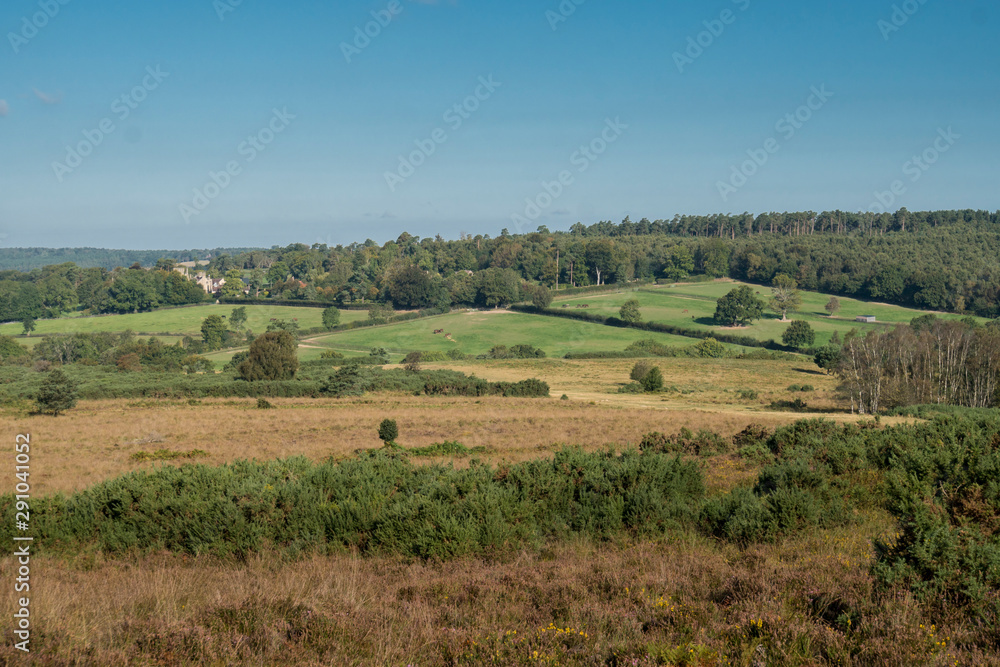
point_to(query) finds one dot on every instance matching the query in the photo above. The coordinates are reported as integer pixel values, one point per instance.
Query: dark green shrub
(264, 404)
(376, 503)
(57, 394)
(272, 357)
(711, 348)
(652, 381)
(388, 431)
(788, 497)
(753, 434)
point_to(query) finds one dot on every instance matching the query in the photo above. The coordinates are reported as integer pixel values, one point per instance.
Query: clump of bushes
(710, 349)
(514, 352)
(788, 496)
(801, 387)
(446, 448)
(472, 386)
(376, 503)
(702, 443)
(795, 405)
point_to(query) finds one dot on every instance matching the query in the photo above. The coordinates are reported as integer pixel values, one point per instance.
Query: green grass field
(693, 306)
(180, 321)
(477, 332)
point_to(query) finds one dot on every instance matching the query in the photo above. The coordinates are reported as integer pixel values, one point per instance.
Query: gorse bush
(788, 496)
(376, 503)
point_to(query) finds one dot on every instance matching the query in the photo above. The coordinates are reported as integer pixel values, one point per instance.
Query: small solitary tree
(784, 295)
(653, 380)
(541, 297)
(629, 312)
(238, 318)
(58, 393)
(799, 334)
(640, 370)
(828, 358)
(832, 306)
(388, 431)
(331, 318)
(29, 325)
(271, 357)
(739, 307)
(213, 332)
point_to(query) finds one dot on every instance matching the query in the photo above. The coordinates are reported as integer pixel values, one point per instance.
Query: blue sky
(326, 126)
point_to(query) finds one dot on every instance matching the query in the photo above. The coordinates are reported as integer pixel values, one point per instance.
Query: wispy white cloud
(4, 109)
(47, 99)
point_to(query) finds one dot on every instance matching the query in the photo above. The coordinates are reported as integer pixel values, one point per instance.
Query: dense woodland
(945, 260)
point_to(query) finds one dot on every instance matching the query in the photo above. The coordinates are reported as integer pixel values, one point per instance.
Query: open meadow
(183, 321)
(692, 306)
(475, 332)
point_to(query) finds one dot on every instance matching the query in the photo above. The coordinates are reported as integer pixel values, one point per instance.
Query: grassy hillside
(183, 321)
(693, 306)
(477, 332)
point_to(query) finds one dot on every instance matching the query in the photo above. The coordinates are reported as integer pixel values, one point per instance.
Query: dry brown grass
(96, 440)
(701, 383)
(807, 601)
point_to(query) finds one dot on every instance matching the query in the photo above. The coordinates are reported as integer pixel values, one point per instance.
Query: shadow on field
(808, 371)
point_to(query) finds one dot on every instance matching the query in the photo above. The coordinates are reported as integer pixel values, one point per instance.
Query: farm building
(869, 319)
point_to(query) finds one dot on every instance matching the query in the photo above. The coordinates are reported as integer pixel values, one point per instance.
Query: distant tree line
(943, 260)
(26, 259)
(62, 288)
